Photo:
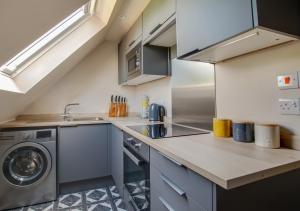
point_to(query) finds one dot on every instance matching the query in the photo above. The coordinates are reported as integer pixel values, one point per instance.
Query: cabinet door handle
(155, 28)
(189, 53)
(137, 161)
(165, 203)
(171, 159)
(172, 185)
(130, 44)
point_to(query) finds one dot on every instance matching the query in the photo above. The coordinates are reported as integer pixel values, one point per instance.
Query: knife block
(113, 110)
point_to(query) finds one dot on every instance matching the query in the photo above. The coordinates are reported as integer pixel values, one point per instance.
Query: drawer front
(156, 203)
(193, 185)
(162, 200)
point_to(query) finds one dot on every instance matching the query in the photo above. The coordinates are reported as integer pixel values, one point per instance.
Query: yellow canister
(222, 127)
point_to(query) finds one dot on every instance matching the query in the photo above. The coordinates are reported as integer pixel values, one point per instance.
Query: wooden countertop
(225, 162)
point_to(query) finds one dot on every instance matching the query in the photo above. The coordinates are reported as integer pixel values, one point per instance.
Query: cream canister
(267, 135)
(145, 107)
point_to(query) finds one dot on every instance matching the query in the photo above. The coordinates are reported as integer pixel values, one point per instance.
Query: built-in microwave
(134, 61)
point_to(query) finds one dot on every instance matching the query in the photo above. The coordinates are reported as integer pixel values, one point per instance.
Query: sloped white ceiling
(24, 21)
(12, 103)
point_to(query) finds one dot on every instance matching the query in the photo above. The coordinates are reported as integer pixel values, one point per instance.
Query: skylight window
(33, 50)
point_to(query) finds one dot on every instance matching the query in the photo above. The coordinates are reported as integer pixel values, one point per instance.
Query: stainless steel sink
(77, 119)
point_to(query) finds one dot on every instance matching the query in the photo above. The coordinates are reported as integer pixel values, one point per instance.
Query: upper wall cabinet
(156, 15)
(134, 35)
(122, 71)
(214, 30)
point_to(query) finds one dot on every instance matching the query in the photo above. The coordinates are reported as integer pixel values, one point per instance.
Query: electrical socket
(289, 106)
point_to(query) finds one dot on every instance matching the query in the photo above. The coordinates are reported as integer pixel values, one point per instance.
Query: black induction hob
(165, 130)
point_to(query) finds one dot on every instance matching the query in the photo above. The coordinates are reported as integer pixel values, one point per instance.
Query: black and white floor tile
(101, 199)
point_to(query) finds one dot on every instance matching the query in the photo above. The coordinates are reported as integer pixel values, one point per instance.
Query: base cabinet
(117, 157)
(175, 187)
(83, 152)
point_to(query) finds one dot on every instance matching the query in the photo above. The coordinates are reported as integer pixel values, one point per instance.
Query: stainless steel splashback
(193, 93)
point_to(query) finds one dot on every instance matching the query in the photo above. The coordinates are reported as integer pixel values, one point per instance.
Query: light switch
(288, 81)
(289, 106)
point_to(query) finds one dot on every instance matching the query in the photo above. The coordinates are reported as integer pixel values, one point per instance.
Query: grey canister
(243, 131)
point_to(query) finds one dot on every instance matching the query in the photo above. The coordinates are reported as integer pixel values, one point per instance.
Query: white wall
(158, 91)
(247, 86)
(90, 83)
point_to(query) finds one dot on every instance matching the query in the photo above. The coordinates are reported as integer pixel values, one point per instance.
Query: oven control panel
(138, 146)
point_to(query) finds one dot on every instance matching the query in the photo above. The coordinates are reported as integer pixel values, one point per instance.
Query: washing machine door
(26, 164)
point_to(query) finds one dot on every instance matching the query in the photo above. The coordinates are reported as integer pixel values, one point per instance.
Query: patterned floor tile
(120, 204)
(114, 192)
(102, 199)
(42, 207)
(70, 200)
(102, 206)
(96, 195)
(80, 208)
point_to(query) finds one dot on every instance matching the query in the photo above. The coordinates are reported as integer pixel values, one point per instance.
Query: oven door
(136, 180)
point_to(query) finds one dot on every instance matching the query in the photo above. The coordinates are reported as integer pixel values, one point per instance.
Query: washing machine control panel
(28, 136)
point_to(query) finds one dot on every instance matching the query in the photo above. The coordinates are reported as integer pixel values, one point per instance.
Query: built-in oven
(134, 61)
(136, 174)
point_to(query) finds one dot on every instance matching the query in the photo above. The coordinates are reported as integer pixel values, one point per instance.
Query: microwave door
(134, 62)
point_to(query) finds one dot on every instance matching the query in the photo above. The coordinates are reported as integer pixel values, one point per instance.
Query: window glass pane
(11, 66)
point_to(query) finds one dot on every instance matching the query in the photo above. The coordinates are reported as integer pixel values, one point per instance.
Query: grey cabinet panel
(122, 68)
(195, 186)
(156, 13)
(168, 197)
(156, 201)
(117, 157)
(83, 153)
(202, 23)
(134, 34)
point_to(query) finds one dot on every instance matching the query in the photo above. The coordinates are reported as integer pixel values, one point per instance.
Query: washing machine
(27, 167)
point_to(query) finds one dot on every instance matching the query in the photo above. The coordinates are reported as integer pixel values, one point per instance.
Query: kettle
(156, 112)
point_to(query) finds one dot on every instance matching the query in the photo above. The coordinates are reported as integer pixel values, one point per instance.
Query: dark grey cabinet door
(117, 157)
(122, 69)
(202, 23)
(83, 152)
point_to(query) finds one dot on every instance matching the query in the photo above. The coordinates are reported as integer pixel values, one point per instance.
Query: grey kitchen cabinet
(201, 23)
(117, 157)
(214, 30)
(173, 194)
(130, 40)
(156, 14)
(122, 67)
(178, 186)
(83, 152)
(134, 34)
(175, 187)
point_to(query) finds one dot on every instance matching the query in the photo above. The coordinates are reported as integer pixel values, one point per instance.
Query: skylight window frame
(86, 12)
